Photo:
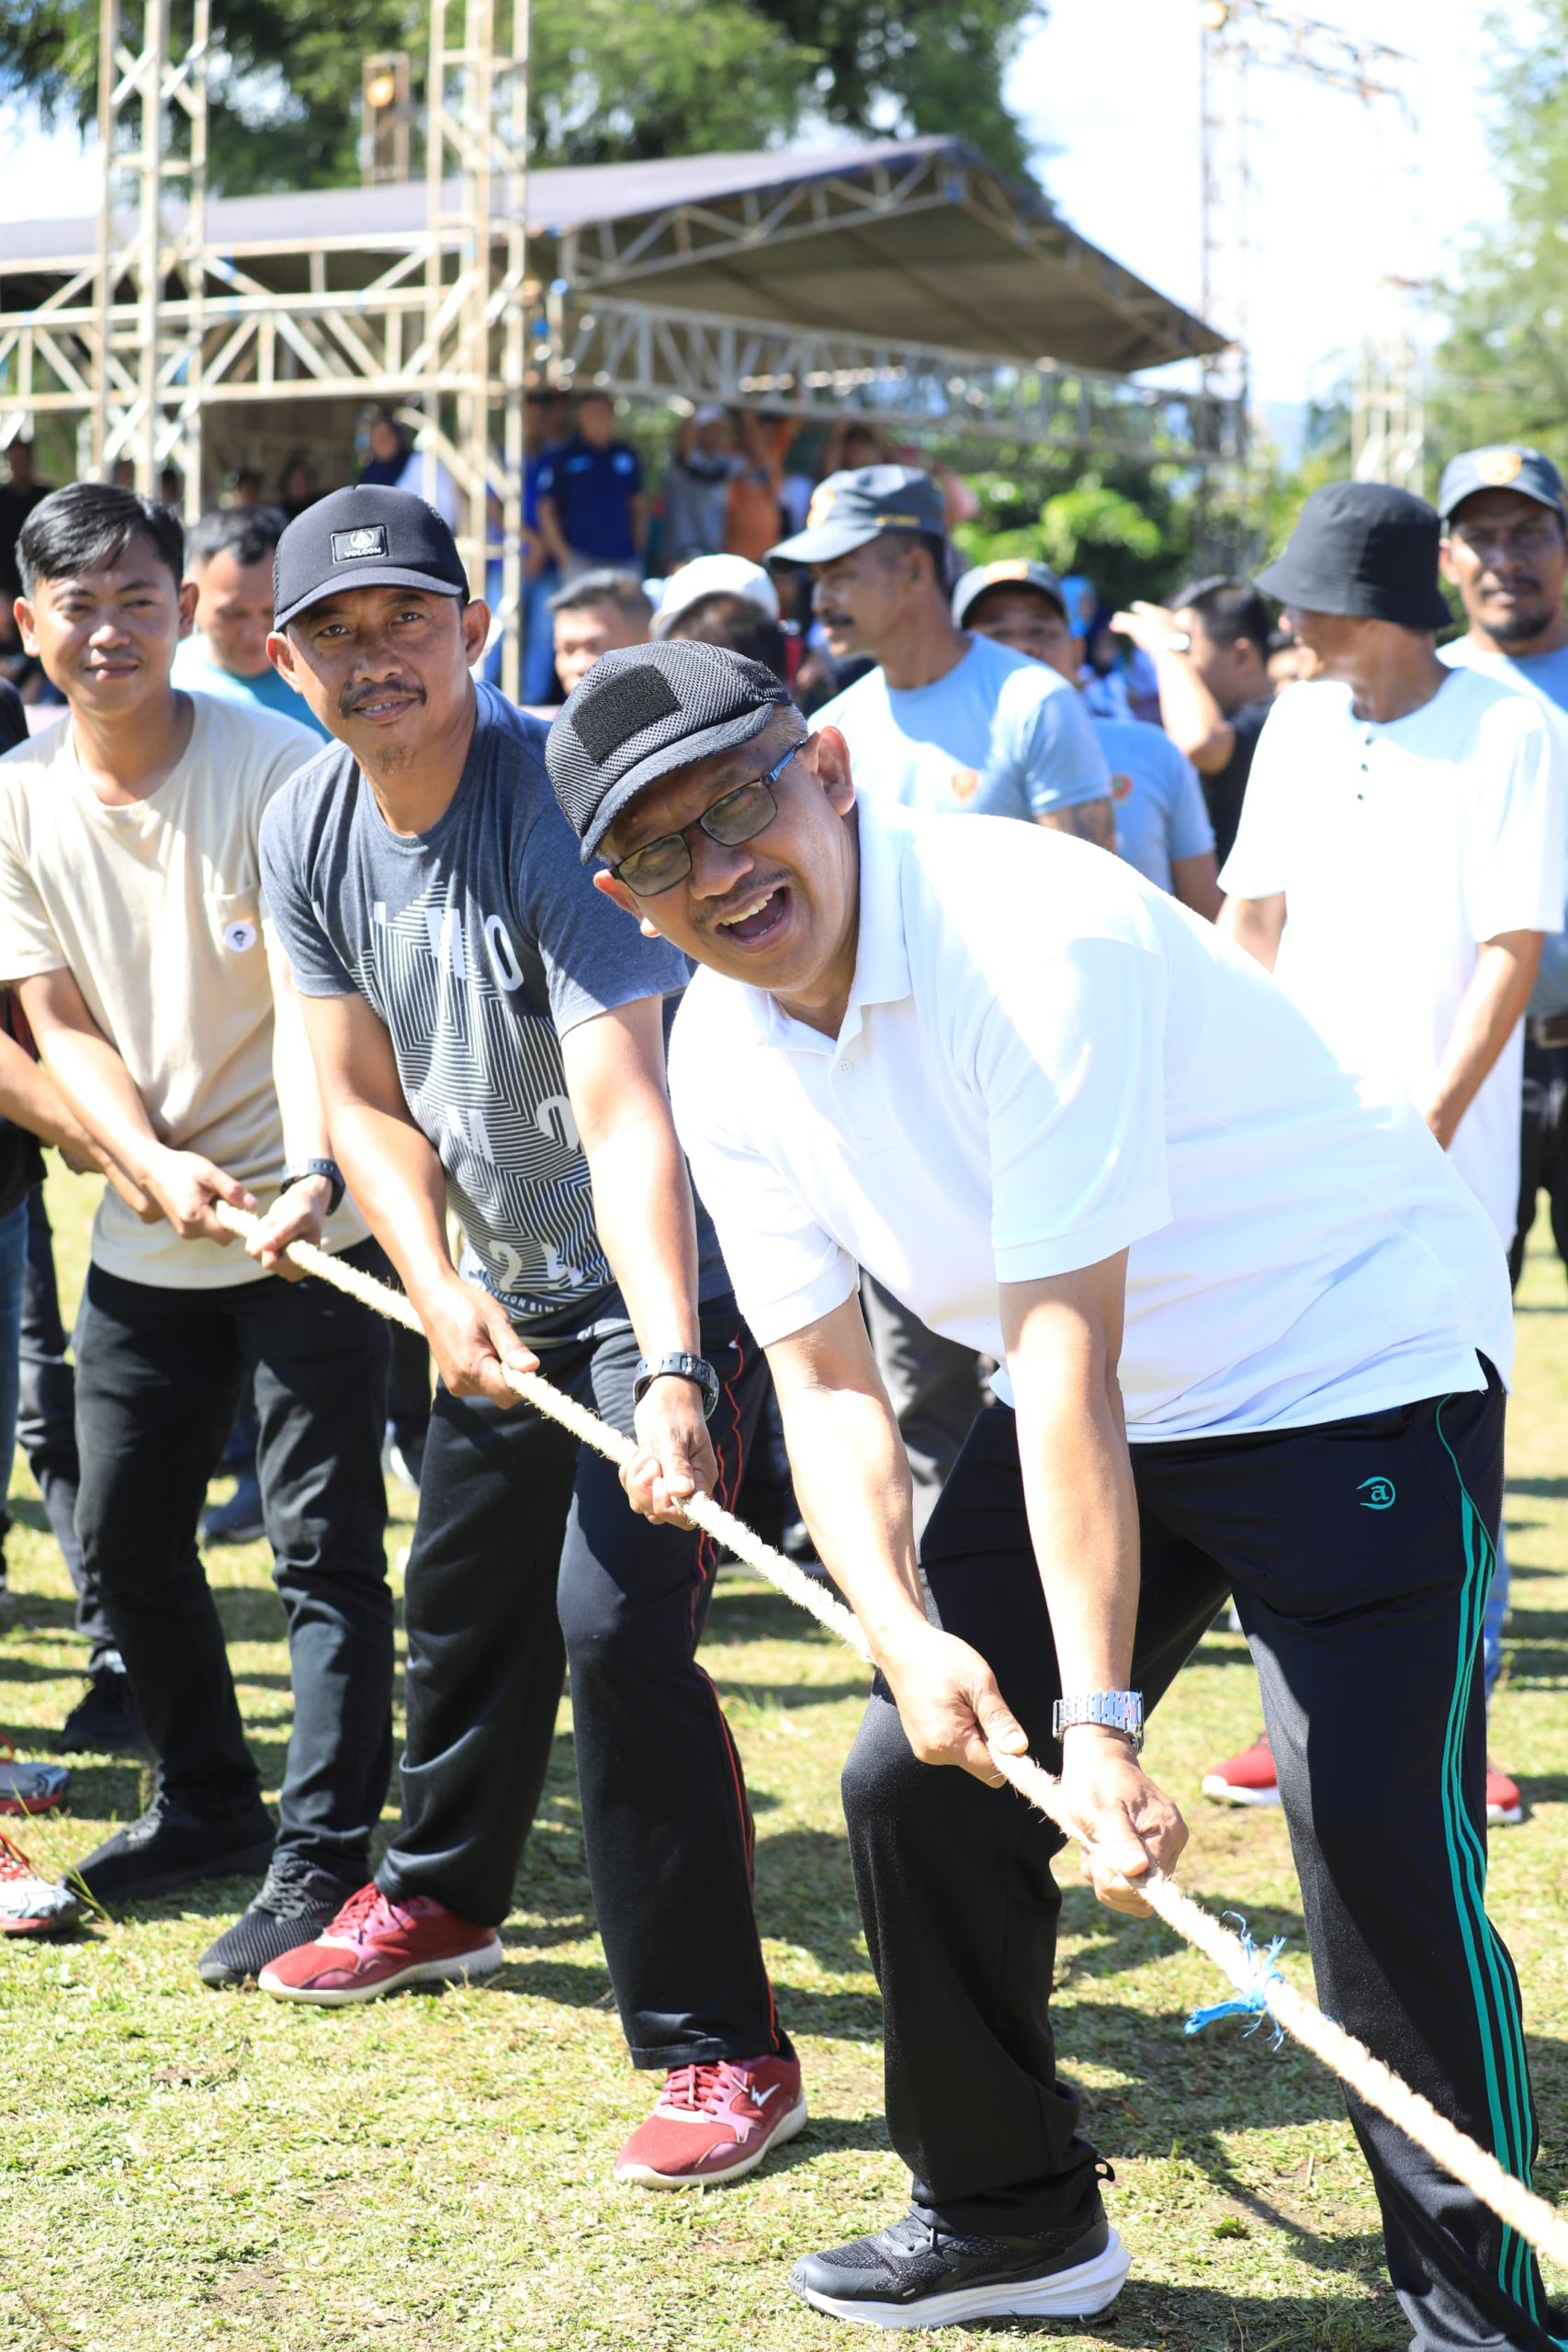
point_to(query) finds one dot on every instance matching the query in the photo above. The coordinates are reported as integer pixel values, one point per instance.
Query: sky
(1109, 90)
(1343, 198)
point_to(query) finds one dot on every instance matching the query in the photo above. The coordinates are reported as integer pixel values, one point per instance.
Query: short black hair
(90, 524)
(1229, 608)
(893, 543)
(249, 533)
(624, 590)
(738, 623)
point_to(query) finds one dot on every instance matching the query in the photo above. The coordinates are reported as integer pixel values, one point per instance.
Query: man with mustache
(490, 1038)
(134, 929)
(1253, 1336)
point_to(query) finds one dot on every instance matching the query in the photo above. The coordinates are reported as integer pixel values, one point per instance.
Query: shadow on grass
(1194, 2319)
(1547, 1489)
(738, 1615)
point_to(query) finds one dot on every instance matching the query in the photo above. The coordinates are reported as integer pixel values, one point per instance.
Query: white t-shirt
(1400, 850)
(155, 909)
(998, 735)
(1046, 1061)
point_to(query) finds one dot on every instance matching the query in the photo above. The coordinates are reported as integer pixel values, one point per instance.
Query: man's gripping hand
(472, 1340)
(674, 1458)
(297, 1214)
(948, 1703)
(1129, 1823)
(185, 1186)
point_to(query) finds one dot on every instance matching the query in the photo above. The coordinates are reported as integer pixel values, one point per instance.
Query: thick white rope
(1260, 1986)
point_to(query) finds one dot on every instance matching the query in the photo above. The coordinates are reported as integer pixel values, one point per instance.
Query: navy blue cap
(1504, 465)
(850, 510)
(368, 536)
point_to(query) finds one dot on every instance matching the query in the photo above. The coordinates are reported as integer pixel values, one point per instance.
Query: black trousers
(526, 1555)
(1543, 1148)
(45, 1424)
(159, 1373)
(1359, 1556)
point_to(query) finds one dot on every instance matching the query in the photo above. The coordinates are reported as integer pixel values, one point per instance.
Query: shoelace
(14, 1863)
(357, 1912)
(288, 1892)
(702, 2090)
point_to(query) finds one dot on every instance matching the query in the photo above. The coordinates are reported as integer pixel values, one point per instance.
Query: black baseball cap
(1501, 467)
(644, 711)
(850, 510)
(1365, 551)
(367, 536)
(1015, 573)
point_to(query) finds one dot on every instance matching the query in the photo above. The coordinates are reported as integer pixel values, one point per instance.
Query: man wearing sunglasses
(490, 1036)
(1252, 1337)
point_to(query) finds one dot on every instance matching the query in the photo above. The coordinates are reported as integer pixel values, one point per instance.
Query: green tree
(1128, 527)
(1501, 371)
(614, 80)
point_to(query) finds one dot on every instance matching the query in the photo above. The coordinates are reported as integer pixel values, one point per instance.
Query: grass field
(185, 2168)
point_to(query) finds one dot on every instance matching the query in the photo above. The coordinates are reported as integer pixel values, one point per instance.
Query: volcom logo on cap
(350, 546)
(1498, 466)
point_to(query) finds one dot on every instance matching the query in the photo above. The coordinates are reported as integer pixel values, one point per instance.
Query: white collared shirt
(1045, 1061)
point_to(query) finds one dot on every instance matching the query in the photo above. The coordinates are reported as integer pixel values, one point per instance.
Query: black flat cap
(1365, 551)
(643, 712)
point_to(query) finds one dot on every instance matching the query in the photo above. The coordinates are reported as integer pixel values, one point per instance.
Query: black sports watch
(327, 1168)
(679, 1366)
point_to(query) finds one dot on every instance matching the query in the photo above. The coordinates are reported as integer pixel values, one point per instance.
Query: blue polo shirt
(592, 489)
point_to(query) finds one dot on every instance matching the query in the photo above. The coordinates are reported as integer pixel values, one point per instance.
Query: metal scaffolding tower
(146, 374)
(1240, 36)
(471, 365)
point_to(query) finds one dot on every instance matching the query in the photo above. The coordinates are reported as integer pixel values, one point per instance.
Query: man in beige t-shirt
(133, 929)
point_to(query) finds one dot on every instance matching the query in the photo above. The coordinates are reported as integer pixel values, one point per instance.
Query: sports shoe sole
(644, 2176)
(246, 1861)
(58, 1925)
(462, 1964)
(1227, 1793)
(1079, 2293)
(26, 1808)
(1505, 1816)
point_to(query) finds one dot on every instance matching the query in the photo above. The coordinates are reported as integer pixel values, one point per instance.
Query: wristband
(327, 1168)
(679, 1366)
(1118, 1710)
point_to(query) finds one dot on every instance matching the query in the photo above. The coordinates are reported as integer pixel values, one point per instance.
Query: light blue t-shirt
(1544, 675)
(1160, 809)
(998, 735)
(196, 670)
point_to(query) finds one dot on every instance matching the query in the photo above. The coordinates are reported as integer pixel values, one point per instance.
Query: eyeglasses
(736, 816)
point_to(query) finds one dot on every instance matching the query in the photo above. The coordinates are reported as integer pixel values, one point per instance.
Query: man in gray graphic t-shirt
(489, 1033)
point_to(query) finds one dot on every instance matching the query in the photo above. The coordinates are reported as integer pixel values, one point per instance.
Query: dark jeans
(1360, 1612)
(159, 1375)
(1543, 1148)
(526, 1555)
(46, 1426)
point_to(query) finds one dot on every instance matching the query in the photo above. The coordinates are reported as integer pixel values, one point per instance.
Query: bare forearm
(1083, 1517)
(851, 1481)
(1193, 881)
(1190, 714)
(642, 1209)
(29, 1098)
(1257, 924)
(1488, 1011)
(299, 1105)
(96, 1088)
(550, 531)
(395, 1180)
(1089, 821)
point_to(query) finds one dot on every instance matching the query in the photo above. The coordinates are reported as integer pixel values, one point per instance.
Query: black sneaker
(919, 2275)
(170, 1847)
(298, 1903)
(105, 1721)
(239, 1520)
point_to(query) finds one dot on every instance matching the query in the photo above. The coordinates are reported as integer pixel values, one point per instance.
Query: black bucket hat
(1365, 550)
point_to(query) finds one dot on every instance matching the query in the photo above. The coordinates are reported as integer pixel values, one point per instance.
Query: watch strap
(1118, 1710)
(679, 1365)
(327, 1168)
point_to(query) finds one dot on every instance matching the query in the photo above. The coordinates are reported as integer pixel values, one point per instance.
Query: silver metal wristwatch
(1120, 1711)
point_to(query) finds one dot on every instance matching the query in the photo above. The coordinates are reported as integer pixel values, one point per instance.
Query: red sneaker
(29, 1906)
(1504, 1805)
(1246, 1779)
(715, 2124)
(375, 1945)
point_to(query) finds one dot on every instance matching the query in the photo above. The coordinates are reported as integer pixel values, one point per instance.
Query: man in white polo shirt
(1067, 1124)
(1398, 865)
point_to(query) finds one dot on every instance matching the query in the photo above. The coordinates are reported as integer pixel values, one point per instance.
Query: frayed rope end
(1253, 2002)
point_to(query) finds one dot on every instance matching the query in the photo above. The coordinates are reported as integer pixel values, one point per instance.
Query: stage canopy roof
(915, 239)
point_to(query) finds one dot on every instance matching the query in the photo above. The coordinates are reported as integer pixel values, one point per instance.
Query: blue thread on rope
(1253, 2002)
